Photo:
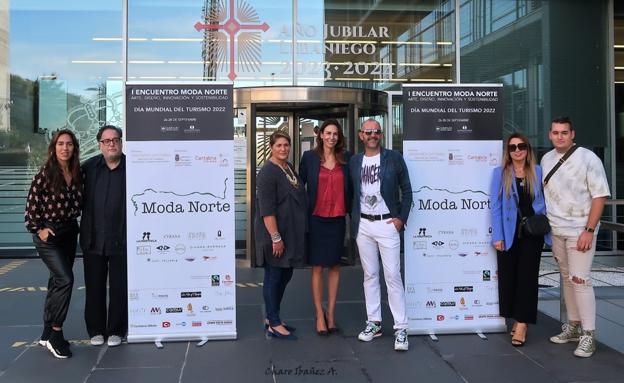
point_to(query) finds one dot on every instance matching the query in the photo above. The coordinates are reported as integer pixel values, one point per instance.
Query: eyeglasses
(109, 141)
(373, 131)
(521, 147)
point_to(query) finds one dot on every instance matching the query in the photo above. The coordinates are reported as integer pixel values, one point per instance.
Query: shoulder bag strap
(559, 163)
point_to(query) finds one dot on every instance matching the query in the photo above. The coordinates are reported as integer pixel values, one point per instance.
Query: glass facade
(62, 64)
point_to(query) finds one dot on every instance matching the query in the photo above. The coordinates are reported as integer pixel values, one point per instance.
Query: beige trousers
(578, 291)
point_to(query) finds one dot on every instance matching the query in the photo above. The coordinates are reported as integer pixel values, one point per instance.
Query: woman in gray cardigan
(280, 225)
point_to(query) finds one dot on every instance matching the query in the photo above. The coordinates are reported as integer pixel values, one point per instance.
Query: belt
(378, 217)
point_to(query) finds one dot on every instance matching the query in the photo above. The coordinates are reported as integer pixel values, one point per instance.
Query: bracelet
(276, 237)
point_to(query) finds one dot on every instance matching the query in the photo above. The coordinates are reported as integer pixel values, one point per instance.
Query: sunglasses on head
(369, 132)
(521, 147)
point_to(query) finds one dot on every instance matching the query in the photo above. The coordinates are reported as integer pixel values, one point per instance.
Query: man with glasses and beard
(103, 239)
(378, 214)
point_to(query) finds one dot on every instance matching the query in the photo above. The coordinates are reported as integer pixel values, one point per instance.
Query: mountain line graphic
(450, 191)
(136, 206)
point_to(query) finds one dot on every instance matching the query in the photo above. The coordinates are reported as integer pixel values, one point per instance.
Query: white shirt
(570, 190)
(371, 201)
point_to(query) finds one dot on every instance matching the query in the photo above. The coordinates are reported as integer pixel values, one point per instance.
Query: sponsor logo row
(424, 232)
(462, 303)
(455, 317)
(174, 324)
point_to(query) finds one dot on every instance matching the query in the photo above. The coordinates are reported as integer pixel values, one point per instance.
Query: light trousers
(374, 239)
(578, 291)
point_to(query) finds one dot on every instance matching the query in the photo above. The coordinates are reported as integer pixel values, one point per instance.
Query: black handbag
(534, 226)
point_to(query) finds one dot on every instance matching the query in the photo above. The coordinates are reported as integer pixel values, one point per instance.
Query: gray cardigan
(276, 196)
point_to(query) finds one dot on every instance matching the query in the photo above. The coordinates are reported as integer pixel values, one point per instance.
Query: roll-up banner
(180, 211)
(452, 142)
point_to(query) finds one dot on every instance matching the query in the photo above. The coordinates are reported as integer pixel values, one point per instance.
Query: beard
(112, 157)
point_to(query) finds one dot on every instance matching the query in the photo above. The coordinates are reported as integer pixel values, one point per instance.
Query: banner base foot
(158, 344)
(202, 342)
(433, 337)
(481, 335)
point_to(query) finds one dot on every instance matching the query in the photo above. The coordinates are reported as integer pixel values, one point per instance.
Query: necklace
(292, 178)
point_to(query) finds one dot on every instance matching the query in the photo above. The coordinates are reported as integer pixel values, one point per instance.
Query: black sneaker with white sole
(45, 335)
(58, 346)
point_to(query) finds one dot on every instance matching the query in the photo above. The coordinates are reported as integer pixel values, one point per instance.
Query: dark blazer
(309, 170)
(90, 242)
(275, 196)
(394, 178)
(504, 210)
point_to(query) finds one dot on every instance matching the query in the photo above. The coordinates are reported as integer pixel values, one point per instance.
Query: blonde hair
(530, 175)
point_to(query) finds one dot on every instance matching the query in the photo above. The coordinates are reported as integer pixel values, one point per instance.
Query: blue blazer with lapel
(504, 209)
(309, 169)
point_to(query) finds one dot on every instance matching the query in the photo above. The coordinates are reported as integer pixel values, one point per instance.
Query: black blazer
(309, 170)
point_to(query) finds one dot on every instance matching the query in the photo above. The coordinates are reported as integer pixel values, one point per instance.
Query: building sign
(228, 29)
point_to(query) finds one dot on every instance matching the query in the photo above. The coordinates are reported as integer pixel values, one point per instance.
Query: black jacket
(91, 239)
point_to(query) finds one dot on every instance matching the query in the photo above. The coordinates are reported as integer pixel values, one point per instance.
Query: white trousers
(375, 238)
(578, 291)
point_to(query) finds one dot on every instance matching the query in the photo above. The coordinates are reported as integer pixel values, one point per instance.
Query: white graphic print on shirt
(371, 201)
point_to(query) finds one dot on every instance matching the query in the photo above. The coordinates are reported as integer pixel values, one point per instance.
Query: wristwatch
(589, 229)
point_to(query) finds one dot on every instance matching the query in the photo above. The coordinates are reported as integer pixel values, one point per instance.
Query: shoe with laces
(570, 333)
(114, 340)
(45, 335)
(400, 340)
(372, 330)
(586, 346)
(58, 346)
(97, 340)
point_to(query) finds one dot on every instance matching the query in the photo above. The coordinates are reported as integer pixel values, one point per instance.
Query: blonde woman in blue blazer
(517, 187)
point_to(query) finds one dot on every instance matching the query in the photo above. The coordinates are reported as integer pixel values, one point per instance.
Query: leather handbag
(534, 226)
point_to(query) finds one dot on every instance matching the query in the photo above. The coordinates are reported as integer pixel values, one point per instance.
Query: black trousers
(58, 254)
(97, 270)
(518, 273)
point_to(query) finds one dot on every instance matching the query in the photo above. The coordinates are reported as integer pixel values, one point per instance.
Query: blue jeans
(275, 281)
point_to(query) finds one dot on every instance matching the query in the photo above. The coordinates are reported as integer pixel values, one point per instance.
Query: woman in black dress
(516, 191)
(325, 171)
(280, 225)
(52, 207)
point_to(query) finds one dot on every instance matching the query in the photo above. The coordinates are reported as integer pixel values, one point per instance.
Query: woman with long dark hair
(52, 208)
(325, 172)
(516, 192)
(280, 226)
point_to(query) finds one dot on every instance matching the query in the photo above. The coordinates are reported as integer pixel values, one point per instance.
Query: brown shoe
(519, 337)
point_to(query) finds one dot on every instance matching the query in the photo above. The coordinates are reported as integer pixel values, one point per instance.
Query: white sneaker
(400, 340)
(114, 340)
(372, 330)
(97, 340)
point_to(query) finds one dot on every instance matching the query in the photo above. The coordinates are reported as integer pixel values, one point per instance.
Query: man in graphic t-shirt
(575, 197)
(382, 198)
